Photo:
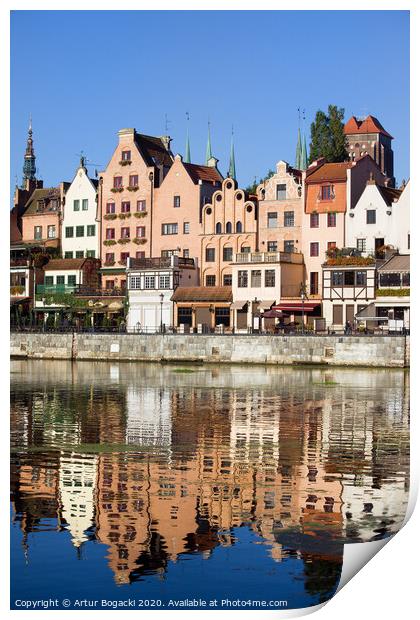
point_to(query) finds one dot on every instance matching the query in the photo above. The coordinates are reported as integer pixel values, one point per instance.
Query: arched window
(228, 227)
(218, 228)
(238, 227)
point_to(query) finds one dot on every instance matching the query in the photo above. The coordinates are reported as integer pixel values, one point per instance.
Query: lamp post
(161, 297)
(303, 296)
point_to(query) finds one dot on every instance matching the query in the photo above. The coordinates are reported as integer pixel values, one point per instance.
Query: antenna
(167, 123)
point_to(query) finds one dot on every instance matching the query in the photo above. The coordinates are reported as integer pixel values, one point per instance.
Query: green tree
(327, 135)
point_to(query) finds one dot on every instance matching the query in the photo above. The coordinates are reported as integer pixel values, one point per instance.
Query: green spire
(209, 154)
(187, 158)
(232, 166)
(298, 160)
(304, 155)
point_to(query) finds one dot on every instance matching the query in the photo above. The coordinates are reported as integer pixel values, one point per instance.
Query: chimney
(371, 180)
(166, 141)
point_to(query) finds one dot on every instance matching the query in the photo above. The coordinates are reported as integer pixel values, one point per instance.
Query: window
(370, 216)
(164, 281)
(185, 316)
(49, 280)
(141, 206)
(314, 249)
(71, 280)
(38, 232)
(229, 228)
(289, 218)
(69, 232)
(118, 182)
(227, 279)
(245, 249)
(289, 246)
(210, 255)
(61, 280)
(110, 233)
(222, 317)
(272, 220)
(125, 232)
(68, 254)
(126, 155)
(210, 280)
(80, 231)
(238, 227)
(149, 282)
(133, 180)
(313, 283)
(337, 278)
(361, 278)
(140, 231)
(90, 253)
(110, 207)
(186, 228)
(327, 192)
(79, 254)
(85, 204)
(76, 205)
(110, 257)
(109, 284)
(331, 220)
(166, 253)
(331, 245)
(390, 279)
(90, 230)
(218, 228)
(125, 207)
(186, 253)
(51, 232)
(177, 202)
(271, 246)
(281, 191)
(123, 257)
(255, 278)
(134, 282)
(314, 220)
(242, 279)
(141, 254)
(270, 278)
(405, 279)
(361, 245)
(227, 254)
(169, 229)
(349, 278)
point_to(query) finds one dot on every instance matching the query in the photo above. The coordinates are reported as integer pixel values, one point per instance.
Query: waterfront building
(392, 301)
(81, 220)
(366, 136)
(41, 220)
(25, 273)
(202, 308)
(380, 218)
(150, 285)
(260, 280)
(280, 209)
(230, 225)
(331, 189)
(127, 194)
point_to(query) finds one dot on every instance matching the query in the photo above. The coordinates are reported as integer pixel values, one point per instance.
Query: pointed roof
(153, 150)
(232, 165)
(298, 159)
(187, 158)
(203, 173)
(29, 166)
(370, 124)
(304, 155)
(209, 154)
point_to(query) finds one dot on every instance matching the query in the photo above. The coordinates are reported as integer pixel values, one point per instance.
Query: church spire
(209, 154)
(187, 158)
(29, 167)
(298, 159)
(232, 166)
(304, 155)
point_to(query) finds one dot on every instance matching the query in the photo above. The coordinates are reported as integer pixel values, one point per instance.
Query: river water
(158, 484)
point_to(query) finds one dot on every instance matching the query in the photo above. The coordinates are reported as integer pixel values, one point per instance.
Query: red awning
(308, 306)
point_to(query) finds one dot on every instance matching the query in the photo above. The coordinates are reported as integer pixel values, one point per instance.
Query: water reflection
(161, 464)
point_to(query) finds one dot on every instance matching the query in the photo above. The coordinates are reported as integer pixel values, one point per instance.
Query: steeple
(29, 167)
(187, 158)
(304, 155)
(298, 159)
(209, 154)
(232, 166)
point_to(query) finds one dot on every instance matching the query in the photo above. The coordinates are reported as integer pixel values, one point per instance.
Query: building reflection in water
(155, 463)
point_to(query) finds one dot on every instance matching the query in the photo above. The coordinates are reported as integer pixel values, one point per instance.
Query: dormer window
(40, 205)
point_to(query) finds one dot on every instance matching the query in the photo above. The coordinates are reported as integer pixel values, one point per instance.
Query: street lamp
(161, 297)
(303, 296)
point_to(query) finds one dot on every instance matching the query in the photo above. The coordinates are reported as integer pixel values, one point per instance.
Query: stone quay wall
(374, 351)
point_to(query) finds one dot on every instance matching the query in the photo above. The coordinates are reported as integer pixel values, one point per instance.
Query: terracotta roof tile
(399, 262)
(329, 172)
(64, 263)
(203, 173)
(203, 293)
(368, 125)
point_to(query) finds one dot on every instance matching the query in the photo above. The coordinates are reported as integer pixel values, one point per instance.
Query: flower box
(110, 242)
(110, 216)
(393, 292)
(124, 216)
(109, 263)
(123, 241)
(343, 261)
(116, 189)
(140, 214)
(140, 240)
(125, 162)
(133, 188)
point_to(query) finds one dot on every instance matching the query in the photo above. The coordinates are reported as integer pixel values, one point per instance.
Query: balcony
(268, 257)
(54, 289)
(83, 290)
(161, 262)
(19, 262)
(17, 290)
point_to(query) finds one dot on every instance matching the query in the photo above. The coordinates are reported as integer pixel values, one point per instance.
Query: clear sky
(85, 74)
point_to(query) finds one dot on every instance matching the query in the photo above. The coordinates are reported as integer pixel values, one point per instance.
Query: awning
(273, 314)
(238, 305)
(14, 301)
(265, 305)
(369, 314)
(308, 306)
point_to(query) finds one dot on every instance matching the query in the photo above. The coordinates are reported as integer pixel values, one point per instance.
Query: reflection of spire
(187, 157)
(209, 154)
(232, 166)
(29, 167)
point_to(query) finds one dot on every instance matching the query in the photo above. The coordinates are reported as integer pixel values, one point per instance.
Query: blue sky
(85, 74)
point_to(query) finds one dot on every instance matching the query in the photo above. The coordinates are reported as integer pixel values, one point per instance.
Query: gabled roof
(398, 262)
(41, 194)
(58, 264)
(370, 124)
(203, 293)
(336, 171)
(389, 194)
(153, 150)
(203, 173)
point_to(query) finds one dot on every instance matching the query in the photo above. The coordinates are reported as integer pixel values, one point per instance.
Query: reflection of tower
(77, 484)
(148, 417)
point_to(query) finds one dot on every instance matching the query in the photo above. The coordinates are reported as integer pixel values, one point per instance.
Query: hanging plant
(123, 241)
(140, 214)
(133, 188)
(116, 189)
(110, 216)
(124, 216)
(110, 242)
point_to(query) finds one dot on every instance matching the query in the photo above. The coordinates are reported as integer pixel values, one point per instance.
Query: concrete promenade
(373, 351)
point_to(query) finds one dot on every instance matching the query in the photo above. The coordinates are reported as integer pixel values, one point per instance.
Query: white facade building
(381, 217)
(81, 223)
